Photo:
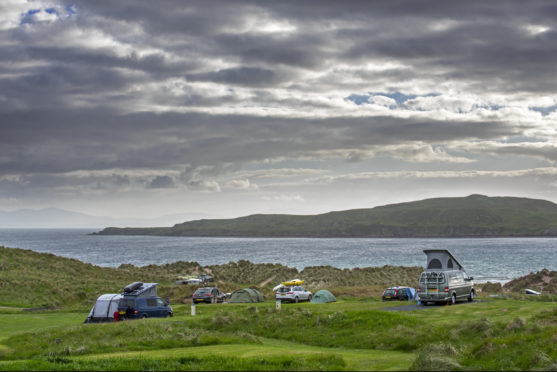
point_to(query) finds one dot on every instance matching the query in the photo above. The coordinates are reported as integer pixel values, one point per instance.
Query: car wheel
(472, 295)
(144, 316)
(296, 300)
(453, 299)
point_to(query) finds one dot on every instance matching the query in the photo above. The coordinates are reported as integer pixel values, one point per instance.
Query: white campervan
(444, 280)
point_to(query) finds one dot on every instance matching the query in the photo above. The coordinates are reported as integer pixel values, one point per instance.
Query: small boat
(294, 282)
(532, 292)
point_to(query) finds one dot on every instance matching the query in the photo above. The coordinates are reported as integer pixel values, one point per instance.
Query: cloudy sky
(227, 108)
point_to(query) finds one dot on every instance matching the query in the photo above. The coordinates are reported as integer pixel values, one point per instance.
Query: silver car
(293, 294)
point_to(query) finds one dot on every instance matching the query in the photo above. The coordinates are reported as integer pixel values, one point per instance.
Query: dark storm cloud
(238, 76)
(114, 85)
(49, 141)
(162, 182)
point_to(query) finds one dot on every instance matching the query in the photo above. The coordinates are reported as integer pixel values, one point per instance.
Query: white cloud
(382, 101)
(241, 184)
(441, 174)
(204, 185)
(284, 197)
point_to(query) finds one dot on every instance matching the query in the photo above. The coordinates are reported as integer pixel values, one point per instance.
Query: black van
(140, 300)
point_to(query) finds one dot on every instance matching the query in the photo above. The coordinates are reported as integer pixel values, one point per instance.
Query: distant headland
(471, 216)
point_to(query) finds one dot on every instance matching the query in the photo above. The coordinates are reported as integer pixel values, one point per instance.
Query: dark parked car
(398, 293)
(208, 295)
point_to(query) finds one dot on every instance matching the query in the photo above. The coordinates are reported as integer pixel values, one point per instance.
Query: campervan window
(433, 278)
(128, 302)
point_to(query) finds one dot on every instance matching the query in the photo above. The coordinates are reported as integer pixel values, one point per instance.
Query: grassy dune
(31, 279)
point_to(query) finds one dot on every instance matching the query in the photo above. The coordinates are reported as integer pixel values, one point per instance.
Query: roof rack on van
(141, 289)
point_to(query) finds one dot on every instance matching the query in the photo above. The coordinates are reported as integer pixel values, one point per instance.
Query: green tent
(246, 295)
(323, 296)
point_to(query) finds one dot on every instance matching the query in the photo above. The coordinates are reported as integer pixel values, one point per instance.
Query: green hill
(475, 215)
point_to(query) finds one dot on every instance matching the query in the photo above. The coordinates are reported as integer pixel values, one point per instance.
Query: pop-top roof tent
(323, 296)
(246, 295)
(104, 308)
(140, 289)
(441, 260)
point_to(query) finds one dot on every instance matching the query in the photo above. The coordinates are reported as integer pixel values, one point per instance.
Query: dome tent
(246, 295)
(323, 296)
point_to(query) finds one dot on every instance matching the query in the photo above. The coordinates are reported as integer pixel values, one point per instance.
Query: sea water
(486, 259)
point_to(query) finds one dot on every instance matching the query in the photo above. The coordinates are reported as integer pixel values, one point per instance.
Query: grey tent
(323, 296)
(246, 295)
(104, 308)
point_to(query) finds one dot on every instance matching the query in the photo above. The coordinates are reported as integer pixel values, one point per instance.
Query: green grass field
(515, 332)
(351, 334)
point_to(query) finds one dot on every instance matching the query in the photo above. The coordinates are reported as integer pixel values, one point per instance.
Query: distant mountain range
(472, 216)
(59, 218)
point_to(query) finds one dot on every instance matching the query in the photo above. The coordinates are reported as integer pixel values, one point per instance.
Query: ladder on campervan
(432, 281)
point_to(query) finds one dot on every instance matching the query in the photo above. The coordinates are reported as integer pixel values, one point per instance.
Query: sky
(229, 108)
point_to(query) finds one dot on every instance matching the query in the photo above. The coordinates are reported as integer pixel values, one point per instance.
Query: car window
(202, 291)
(151, 302)
(284, 289)
(160, 302)
(390, 292)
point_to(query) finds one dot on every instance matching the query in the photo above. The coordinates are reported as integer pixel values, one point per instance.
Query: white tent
(104, 308)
